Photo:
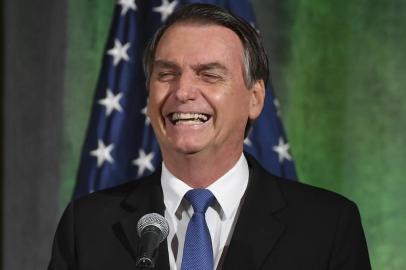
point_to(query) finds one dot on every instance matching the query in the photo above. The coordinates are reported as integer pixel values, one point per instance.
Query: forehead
(194, 40)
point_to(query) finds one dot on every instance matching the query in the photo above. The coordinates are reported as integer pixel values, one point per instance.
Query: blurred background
(338, 69)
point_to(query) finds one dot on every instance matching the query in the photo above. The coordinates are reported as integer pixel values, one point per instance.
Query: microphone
(152, 229)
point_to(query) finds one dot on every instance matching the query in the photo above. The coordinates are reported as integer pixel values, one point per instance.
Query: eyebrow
(208, 66)
(165, 64)
(198, 67)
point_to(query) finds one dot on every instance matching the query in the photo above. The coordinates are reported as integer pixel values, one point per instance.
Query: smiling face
(198, 100)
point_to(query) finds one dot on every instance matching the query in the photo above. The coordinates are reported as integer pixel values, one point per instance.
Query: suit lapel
(146, 198)
(257, 229)
(256, 232)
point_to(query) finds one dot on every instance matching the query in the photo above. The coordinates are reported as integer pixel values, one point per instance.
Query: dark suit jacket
(282, 225)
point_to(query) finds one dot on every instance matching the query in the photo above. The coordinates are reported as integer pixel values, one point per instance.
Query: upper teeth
(188, 116)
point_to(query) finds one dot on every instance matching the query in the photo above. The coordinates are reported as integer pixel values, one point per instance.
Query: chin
(188, 150)
(187, 144)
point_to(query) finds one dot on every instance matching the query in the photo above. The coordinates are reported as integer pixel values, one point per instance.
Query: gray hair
(254, 56)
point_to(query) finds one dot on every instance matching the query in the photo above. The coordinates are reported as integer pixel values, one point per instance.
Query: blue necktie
(198, 251)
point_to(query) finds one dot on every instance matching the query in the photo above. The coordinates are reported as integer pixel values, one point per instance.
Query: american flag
(120, 144)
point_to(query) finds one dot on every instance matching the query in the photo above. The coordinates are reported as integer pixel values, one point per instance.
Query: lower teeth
(188, 122)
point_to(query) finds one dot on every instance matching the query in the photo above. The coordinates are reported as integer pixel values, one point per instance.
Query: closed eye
(165, 71)
(211, 72)
(211, 77)
(165, 76)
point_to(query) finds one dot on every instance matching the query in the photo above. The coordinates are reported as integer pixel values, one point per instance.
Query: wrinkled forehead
(195, 46)
(209, 38)
(200, 24)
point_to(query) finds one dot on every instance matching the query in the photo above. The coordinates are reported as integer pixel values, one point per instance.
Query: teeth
(189, 117)
(188, 122)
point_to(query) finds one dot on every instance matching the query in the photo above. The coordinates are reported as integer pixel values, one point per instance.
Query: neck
(199, 171)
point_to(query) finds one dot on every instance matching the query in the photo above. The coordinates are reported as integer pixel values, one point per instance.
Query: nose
(186, 89)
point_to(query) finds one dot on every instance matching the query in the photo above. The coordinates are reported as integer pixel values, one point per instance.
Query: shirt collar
(228, 189)
(173, 189)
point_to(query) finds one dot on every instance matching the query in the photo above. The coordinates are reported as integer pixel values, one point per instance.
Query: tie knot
(200, 199)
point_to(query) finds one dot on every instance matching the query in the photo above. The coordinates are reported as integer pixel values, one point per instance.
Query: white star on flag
(247, 141)
(165, 9)
(102, 153)
(277, 106)
(144, 112)
(144, 162)
(119, 52)
(283, 150)
(111, 102)
(126, 5)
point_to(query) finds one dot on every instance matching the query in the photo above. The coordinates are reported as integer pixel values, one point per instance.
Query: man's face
(198, 101)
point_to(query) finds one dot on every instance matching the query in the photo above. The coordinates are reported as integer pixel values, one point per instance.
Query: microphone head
(156, 220)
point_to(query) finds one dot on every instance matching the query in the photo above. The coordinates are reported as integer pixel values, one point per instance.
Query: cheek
(240, 110)
(157, 96)
(232, 111)
(238, 101)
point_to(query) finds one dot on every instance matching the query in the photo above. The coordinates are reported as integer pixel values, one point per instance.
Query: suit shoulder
(295, 192)
(311, 194)
(112, 193)
(115, 196)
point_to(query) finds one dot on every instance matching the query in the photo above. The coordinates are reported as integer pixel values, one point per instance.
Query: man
(206, 71)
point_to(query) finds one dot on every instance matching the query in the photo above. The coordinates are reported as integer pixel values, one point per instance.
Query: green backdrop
(338, 68)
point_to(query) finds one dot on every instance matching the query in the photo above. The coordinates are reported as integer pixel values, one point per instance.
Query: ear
(257, 97)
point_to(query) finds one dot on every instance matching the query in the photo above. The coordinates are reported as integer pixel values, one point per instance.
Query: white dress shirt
(228, 191)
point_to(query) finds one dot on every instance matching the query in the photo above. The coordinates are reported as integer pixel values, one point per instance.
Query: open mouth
(179, 118)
